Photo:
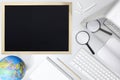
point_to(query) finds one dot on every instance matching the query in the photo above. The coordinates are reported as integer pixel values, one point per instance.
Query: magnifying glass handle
(90, 49)
(106, 31)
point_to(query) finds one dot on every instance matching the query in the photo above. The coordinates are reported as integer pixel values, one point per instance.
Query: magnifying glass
(95, 26)
(83, 38)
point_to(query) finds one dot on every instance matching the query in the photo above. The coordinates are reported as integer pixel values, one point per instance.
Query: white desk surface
(79, 13)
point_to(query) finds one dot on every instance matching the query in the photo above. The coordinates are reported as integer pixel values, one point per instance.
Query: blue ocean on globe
(12, 68)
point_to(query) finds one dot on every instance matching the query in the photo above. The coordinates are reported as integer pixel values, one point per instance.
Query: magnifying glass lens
(82, 37)
(93, 26)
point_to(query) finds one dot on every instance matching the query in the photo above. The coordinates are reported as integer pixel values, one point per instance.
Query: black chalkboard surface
(37, 28)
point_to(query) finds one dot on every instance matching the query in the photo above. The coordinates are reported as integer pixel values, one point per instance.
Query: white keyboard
(91, 68)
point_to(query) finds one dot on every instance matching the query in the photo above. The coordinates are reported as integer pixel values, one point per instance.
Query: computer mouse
(12, 68)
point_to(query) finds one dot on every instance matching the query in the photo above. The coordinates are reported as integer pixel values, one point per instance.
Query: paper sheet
(46, 71)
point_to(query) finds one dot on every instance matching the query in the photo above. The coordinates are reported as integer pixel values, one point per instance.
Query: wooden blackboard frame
(36, 3)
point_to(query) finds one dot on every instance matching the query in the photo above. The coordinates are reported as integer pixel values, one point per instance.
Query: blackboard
(36, 28)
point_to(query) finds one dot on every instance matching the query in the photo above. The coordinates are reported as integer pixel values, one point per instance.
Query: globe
(12, 68)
